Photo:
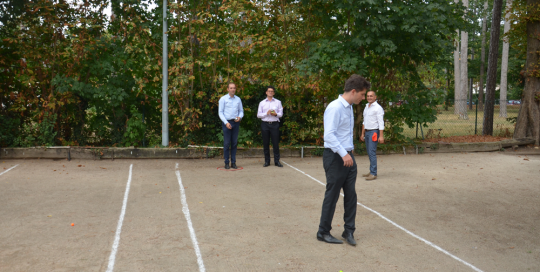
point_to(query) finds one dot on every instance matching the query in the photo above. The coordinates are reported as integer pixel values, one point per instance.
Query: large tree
(528, 122)
(386, 42)
(457, 74)
(461, 102)
(482, 58)
(492, 68)
(504, 63)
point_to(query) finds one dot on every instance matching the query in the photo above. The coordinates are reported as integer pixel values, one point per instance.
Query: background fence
(470, 122)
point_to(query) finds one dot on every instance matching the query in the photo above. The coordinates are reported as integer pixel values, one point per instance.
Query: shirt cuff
(342, 152)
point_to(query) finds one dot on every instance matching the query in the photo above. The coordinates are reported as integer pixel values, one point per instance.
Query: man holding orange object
(372, 132)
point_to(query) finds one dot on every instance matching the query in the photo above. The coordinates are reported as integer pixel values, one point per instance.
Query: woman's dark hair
(357, 83)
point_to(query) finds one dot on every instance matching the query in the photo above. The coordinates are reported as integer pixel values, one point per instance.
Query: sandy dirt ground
(483, 209)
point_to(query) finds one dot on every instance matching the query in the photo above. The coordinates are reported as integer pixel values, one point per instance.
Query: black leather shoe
(328, 238)
(233, 166)
(266, 164)
(349, 238)
(227, 166)
(278, 164)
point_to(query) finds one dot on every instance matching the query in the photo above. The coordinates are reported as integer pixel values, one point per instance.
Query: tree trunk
(457, 74)
(528, 122)
(461, 103)
(470, 91)
(492, 68)
(469, 94)
(504, 64)
(482, 60)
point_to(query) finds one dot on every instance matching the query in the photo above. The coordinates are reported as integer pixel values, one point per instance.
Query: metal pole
(476, 118)
(164, 93)
(144, 134)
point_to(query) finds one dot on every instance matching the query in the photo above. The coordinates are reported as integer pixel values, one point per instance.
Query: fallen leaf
(511, 247)
(79, 165)
(433, 179)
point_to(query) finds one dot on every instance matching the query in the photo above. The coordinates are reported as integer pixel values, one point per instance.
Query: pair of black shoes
(278, 164)
(328, 238)
(233, 166)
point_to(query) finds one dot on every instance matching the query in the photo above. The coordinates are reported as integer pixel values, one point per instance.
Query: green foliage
(360, 147)
(317, 151)
(245, 137)
(9, 130)
(135, 129)
(37, 134)
(102, 79)
(521, 15)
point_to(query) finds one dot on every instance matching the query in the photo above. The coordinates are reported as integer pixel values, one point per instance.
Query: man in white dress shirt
(338, 161)
(372, 132)
(270, 110)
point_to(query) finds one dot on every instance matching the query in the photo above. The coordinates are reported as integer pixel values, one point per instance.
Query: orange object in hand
(374, 137)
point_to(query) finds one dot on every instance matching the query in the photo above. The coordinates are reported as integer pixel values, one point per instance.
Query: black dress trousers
(338, 176)
(270, 131)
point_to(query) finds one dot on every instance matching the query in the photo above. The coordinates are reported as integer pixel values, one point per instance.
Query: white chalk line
(398, 226)
(112, 258)
(8, 170)
(185, 209)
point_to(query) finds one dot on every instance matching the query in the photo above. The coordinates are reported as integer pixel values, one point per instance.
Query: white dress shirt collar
(343, 101)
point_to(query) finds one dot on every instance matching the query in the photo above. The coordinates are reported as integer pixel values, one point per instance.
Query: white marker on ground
(110, 267)
(398, 226)
(8, 170)
(185, 209)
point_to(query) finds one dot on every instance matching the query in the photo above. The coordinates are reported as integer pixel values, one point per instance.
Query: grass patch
(448, 124)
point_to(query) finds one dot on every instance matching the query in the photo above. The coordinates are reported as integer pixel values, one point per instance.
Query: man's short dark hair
(357, 83)
(229, 84)
(374, 92)
(270, 87)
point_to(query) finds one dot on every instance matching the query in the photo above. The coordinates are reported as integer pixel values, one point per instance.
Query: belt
(371, 129)
(348, 152)
(271, 122)
(232, 120)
